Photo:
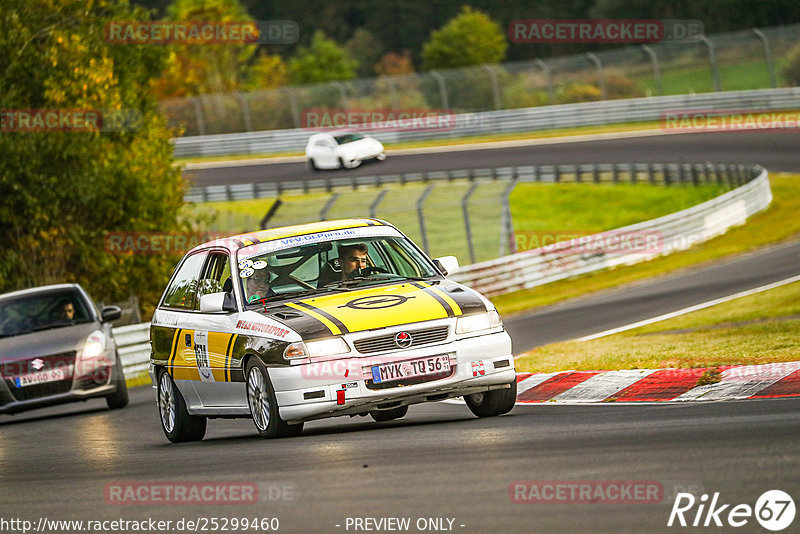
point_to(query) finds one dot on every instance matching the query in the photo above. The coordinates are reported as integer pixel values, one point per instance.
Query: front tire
(312, 164)
(118, 399)
(263, 404)
(492, 403)
(388, 415)
(176, 422)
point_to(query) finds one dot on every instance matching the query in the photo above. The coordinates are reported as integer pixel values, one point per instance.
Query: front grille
(424, 336)
(10, 370)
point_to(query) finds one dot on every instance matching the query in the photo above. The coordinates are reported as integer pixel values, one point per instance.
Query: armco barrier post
(373, 207)
(506, 225)
(773, 79)
(323, 214)
(421, 217)
(656, 70)
(467, 227)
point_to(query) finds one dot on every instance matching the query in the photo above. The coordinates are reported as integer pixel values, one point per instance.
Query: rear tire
(176, 422)
(312, 164)
(118, 399)
(492, 403)
(388, 415)
(263, 404)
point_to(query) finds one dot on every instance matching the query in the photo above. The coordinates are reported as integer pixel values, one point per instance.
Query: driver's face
(354, 259)
(68, 311)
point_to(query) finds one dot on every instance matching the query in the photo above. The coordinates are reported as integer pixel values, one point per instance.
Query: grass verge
(757, 329)
(776, 224)
(539, 211)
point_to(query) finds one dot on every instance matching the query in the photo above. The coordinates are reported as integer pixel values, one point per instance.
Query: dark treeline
(407, 25)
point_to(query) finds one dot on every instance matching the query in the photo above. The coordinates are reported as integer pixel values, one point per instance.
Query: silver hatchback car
(57, 347)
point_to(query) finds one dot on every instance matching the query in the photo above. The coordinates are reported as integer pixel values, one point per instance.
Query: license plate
(389, 372)
(51, 375)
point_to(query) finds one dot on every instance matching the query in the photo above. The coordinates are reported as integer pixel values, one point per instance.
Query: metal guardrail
(539, 266)
(655, 173)
(508, 121)
(133, 345)
(676, 231)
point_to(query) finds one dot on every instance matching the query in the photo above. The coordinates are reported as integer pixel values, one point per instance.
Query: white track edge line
(690, 309)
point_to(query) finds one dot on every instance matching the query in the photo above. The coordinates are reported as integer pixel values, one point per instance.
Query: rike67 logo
(774, 510)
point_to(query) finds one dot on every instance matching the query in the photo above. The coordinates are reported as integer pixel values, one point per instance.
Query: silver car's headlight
(476, 323)
(95, 345)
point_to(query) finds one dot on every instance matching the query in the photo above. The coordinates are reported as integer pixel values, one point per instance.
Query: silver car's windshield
(330, 266)
(42, 311)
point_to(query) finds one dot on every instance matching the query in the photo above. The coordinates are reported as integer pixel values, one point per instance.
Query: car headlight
(478, 322)
(95, 345)
(323, 347)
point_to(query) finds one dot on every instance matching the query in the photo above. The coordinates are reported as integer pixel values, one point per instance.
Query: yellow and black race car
(334, 318)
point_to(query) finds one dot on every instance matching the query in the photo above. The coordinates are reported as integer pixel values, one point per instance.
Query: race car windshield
(331, 265)
(42, 311)
(348, 138)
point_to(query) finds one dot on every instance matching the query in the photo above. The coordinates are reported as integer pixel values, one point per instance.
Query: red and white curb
(660, 385)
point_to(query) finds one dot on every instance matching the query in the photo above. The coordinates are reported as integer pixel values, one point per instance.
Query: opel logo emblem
(376, 302)
(37, 364)
(403, 340)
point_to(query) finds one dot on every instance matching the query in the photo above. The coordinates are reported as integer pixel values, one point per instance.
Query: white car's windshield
(348, 138)
(331, 265)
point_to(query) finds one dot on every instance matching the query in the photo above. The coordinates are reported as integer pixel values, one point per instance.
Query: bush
(791, 71)
(618, 86)
(578, 93)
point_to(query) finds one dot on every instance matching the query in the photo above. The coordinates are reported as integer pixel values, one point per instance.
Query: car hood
(362, 147)
(377, 307)
(46, 342)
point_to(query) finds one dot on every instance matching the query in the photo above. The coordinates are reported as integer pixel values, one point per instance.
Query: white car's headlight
(323, 347)
(476, 323)
(95, 345)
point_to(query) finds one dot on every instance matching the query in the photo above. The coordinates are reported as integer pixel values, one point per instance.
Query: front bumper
(88, 379)
(316, 391)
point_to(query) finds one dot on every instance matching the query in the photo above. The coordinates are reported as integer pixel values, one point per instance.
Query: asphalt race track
(651, 298)
(439, 462)
(778, 151)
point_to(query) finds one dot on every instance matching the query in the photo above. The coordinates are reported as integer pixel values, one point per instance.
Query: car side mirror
(447, 264)
(217, 302)
(110, 313)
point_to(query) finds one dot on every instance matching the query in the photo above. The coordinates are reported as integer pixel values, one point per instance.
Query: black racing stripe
(175, 342)
(227, 373)
(327, 315)
(440, 300)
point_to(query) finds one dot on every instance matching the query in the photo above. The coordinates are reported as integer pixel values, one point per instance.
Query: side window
(215, 275)
(182, 291)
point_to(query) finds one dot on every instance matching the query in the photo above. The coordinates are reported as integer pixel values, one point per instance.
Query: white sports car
(342, 150)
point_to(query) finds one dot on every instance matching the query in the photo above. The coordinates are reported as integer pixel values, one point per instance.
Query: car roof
(41, 289)
(237, 242)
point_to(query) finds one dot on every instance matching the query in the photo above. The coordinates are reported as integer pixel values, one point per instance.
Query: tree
(268, 71)
(323, 61)
(64, 191)
(204, 68)
(366, 49)
(394, 64)
(471, 38)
